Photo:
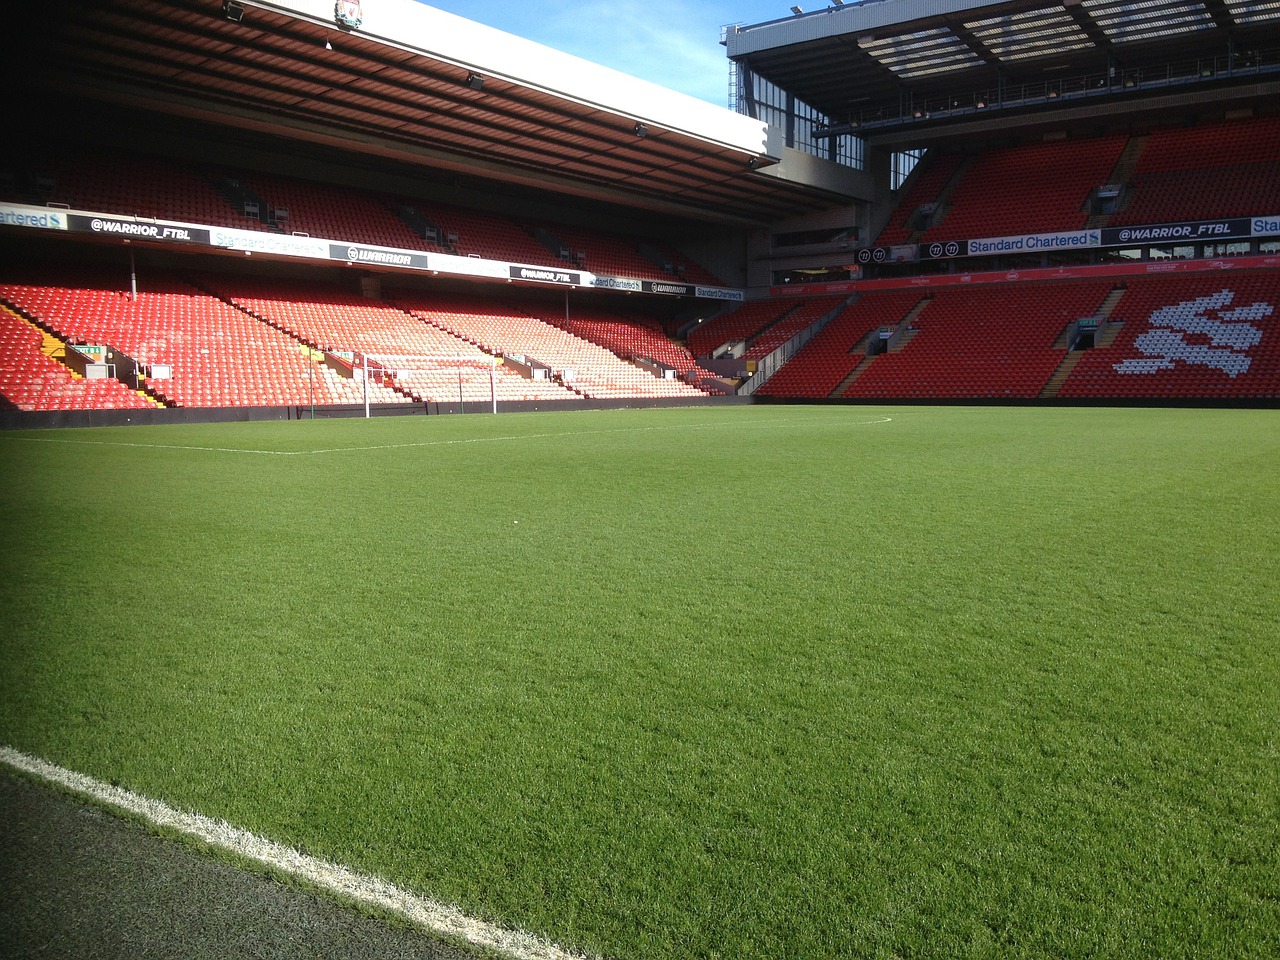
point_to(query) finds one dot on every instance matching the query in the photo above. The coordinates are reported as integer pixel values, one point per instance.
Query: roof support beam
(1086, 23)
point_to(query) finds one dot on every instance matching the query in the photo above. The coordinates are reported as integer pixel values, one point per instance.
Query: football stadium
(533, 507)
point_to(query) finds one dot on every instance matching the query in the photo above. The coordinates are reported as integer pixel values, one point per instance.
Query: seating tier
(1212, 337)
(995, 342)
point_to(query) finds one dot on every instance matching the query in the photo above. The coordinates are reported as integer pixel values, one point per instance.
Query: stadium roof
(883, 58)
(420, 87)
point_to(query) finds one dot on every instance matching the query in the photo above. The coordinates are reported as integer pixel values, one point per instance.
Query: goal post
(431, 372)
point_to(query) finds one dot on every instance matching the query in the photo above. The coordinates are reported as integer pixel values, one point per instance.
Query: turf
(753, 682)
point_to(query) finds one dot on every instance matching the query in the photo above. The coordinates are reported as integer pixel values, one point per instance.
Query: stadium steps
(944, 198)
(854, 374)
(1060, 375)
(34, 374)
(53, 347)
(901, 337)
(555, 246)
(1106, 337)
(763, 332)
(905, 332)
(1106, 333)
(246, 202)
(1120, 175)
(307, 348)
(422, 226)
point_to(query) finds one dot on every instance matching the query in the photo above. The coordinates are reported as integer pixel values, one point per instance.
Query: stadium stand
(477, 233)
(331, 319)
(1226, 169)
(924, 188)
(830, 359)
(1032, 188)
(619, 256)
(1210, 337)
(635, 337)
(738, 325)
(326, 211)
(584, 367)
(31, 379)
(529, 176)
(218, 356)
(134, 185)
(982, 343)
(805, 314)
(129, 185)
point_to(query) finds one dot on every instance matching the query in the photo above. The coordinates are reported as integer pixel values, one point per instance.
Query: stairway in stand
(1106, 333)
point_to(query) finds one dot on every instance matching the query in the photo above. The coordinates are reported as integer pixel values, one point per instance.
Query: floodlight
(797, 11)
(475, 81)
(641, 131)
(233, 11)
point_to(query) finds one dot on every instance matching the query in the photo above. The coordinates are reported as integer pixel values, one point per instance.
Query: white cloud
(667, 42)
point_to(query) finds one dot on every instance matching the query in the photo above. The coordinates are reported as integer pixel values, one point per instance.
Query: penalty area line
(435, 917)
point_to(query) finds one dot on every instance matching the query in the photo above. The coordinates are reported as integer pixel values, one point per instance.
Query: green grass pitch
(759, 682)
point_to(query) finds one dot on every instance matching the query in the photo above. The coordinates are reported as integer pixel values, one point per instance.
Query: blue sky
(672, 42)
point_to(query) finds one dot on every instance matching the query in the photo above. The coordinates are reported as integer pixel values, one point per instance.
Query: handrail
(769, 364)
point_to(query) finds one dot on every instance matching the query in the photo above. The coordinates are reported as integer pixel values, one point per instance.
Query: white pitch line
(436, 917)
(429, 443)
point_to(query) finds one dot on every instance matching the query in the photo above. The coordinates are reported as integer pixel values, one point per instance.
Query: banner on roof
(617, 283)
(128, 228)
(377, 256)
(1172, 232)
(719, 293)
(1265, 226)
(43, 218)
(944, 249)
(546, 275)
(252, 241)
(1036, 242)
(901, 253)
(668, 289)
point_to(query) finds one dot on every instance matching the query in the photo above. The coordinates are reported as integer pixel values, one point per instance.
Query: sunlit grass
(753, 682)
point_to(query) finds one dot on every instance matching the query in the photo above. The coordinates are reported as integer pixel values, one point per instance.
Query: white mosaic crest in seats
(1230, 334)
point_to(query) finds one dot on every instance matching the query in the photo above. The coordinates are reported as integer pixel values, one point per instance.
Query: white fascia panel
(418, 28)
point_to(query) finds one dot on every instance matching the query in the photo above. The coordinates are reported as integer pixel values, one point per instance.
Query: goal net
(434, 378)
